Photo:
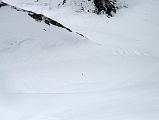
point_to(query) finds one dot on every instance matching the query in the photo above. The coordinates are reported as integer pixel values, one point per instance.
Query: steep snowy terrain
(50, 73)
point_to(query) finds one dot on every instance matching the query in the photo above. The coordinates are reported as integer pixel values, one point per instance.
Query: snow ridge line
(40, 18)
(37, 17)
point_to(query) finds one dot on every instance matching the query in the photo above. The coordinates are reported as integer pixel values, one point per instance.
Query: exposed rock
(2, 4)
(107, 6)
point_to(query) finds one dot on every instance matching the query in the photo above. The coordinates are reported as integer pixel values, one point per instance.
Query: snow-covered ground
(53, 74)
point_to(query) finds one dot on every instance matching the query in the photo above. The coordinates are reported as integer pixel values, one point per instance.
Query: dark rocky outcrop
(107, 6)
(2, 4)
(48, 21)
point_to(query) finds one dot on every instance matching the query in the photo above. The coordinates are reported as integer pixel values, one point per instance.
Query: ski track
(130, 52)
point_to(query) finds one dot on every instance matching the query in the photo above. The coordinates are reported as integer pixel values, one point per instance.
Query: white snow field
(49, 73)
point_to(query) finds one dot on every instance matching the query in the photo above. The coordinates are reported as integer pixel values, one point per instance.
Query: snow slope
(25, 40)
(59, 75)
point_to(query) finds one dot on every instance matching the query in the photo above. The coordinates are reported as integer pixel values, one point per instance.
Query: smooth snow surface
(48, 73)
